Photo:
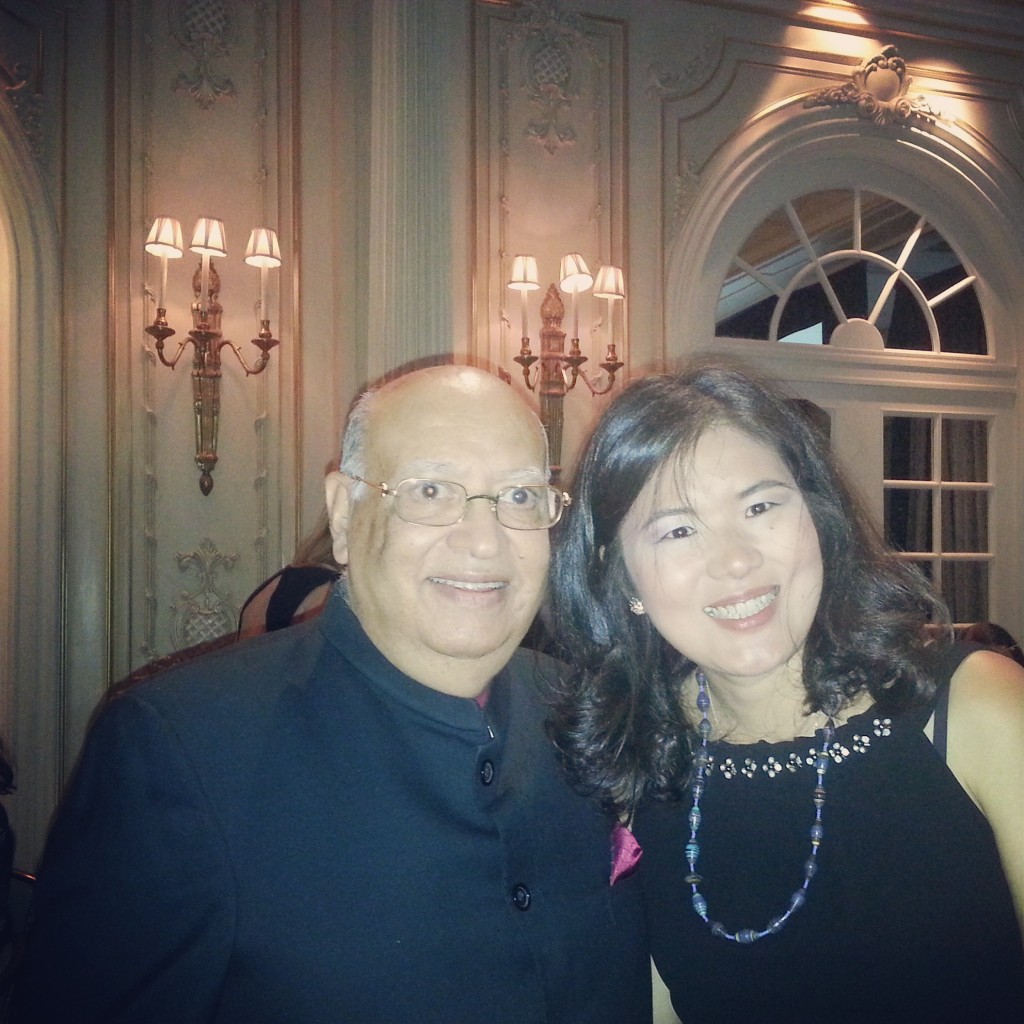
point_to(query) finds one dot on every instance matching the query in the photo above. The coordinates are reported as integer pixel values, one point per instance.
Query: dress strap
(941, 720)
(296, 583)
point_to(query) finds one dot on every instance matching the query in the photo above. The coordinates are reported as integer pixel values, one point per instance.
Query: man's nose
(478, 530)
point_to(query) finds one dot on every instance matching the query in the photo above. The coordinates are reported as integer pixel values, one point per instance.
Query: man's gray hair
(354, 440)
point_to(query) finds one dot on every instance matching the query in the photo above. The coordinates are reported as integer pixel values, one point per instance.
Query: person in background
(297, 591)
(828, 804)
(359, 818)
(993, 636)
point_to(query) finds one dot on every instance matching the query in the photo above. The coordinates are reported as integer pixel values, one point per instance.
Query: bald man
(360, 818)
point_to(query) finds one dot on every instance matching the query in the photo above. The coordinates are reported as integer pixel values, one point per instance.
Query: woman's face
(724, 555)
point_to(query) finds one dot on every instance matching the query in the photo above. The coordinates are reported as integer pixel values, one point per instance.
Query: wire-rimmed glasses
(443, 503)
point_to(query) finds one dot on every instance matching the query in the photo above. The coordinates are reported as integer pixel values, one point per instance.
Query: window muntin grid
(937, 497)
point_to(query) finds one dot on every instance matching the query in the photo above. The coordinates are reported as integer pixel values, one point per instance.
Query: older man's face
(448, 604)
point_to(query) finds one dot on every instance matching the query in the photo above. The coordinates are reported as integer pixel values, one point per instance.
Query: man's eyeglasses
(443, 503)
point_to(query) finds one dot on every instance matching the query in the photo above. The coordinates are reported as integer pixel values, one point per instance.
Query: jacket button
(521, 896)
(487, 772)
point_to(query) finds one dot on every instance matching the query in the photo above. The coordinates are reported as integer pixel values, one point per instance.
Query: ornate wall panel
(550, 94)
(204, 143)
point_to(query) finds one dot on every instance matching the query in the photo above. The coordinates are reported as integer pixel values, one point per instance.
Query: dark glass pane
(965, 451)
(907, 327)
(959, 319)
(907, 442)
(965, 590)
(908, 519)
(965, 521)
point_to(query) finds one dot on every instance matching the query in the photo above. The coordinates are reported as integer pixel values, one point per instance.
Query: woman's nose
(732, 555)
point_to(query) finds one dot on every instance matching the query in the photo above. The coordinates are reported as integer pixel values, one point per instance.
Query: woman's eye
(759, 508)
(679, 533)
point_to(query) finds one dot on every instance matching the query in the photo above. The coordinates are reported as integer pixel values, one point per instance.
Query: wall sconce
(559, 370)
(263, 252)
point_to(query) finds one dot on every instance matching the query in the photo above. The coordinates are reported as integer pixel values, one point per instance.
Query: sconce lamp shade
(524, 274)
(165, 239)
(609, 283)
(263, 249)
(208, 237)
(575, 277)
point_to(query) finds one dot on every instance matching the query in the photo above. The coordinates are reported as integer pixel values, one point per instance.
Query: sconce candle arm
(610, 367)
(264, 341)
(159, 331)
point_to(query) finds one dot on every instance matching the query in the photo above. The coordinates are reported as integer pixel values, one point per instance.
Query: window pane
(908, 519)
(907, 327)
(965, 590)
(907, 444)
(965, 521)
(965, 450)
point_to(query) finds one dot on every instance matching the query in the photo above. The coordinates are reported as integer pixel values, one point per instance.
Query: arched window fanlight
(852, 269)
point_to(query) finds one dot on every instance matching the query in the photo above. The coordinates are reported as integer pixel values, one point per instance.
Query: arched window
(853, 269)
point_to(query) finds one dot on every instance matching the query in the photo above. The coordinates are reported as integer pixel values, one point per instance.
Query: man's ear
(337, 486)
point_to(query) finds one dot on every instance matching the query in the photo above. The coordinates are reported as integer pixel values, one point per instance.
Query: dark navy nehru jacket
(291, 830)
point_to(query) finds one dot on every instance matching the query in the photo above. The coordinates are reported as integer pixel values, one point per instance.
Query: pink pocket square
(626, 853)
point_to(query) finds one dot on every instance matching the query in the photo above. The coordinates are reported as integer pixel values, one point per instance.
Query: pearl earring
(636, 606)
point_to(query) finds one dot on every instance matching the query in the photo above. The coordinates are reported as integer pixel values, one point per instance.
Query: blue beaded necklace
(702, 763)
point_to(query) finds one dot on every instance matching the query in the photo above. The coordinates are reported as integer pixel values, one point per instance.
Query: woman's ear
(337, 487)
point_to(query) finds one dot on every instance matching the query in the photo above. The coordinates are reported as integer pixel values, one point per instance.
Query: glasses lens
(430, 502)
(529, 508)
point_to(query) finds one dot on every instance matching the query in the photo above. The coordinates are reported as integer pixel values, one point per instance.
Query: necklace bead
(702, 763)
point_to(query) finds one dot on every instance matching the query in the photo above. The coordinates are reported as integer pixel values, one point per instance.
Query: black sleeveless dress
(909, 917)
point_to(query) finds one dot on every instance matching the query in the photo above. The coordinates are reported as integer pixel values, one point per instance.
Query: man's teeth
(744, 609)
(467, 585)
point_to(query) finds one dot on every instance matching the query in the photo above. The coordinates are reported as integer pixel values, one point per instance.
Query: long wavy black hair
(618, 720)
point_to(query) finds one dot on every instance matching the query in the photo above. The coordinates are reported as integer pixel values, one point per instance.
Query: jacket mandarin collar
(340, 628)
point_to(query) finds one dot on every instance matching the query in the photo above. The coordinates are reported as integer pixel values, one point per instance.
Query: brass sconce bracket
(559, 371)
(207, 342)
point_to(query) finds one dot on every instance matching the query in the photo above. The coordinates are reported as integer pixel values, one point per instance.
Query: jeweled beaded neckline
(702, 768)
(731, 767)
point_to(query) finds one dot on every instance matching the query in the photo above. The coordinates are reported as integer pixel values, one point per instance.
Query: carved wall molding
(204, 613)
(553, 44)
(878, 92)
(150, 483)
(22, 49)
(684, 191)
(671, 83)
(205, 29)
(260, 425)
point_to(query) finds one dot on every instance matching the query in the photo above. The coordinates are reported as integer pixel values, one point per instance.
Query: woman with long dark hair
(828, 798)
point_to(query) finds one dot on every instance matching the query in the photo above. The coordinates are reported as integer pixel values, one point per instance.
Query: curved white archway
(31, 466)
